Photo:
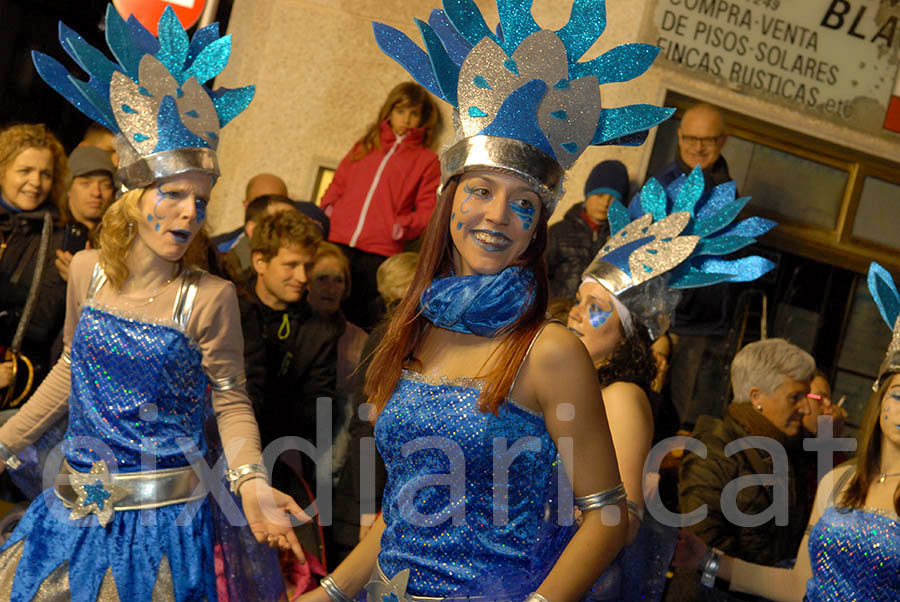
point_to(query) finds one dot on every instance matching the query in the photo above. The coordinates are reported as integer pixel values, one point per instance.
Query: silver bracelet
(8, 457)
(536, 597)
(634, 510)
(601, 499)
(334, 592)
(236, 474)
(710, 568)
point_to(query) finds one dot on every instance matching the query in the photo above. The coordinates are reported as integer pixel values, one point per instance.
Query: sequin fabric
(138, 386)
(855, 555)
(442, 519)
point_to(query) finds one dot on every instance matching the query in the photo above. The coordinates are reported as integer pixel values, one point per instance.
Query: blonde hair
(764, 364)
(17, 138)
(118, 230)
(327, 249)
(395, 274)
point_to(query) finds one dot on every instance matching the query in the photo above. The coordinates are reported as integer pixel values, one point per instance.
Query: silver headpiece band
(539, 169)
(139, 171)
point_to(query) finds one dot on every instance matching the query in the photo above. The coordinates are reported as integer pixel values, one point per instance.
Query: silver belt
(103, 493)
(380, 586)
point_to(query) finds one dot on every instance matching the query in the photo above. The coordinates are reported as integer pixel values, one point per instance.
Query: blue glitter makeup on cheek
(525, 214)
(469, 194)
(597, 316)
(200, 208)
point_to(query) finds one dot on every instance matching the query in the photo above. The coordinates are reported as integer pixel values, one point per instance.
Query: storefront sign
(832, 57)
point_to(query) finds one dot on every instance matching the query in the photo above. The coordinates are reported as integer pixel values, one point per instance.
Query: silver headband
(136, 171)
(539, 169)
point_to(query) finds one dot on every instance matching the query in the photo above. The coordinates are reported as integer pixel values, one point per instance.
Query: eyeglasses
(706, 142)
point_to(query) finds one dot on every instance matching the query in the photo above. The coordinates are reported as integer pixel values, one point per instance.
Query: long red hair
(868, 454)
(407, 327)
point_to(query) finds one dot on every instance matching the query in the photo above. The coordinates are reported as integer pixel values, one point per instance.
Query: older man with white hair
(760, 518)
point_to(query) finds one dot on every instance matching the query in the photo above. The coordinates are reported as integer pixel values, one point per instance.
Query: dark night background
(28, 25)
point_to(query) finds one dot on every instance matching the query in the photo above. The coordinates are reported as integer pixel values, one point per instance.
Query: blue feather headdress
(884, 291)
(153, 96)
(676, 241)
(523, 102)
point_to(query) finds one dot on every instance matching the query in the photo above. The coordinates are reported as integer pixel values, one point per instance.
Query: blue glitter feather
(617, 215)
(118, 38)
(688, 192)
(719, 197)
(884, 292)
(211, 60)
(231, 102)
(445, 71)
(618, 64)
(399, 47)
(654, 200)
(621, 121)
(517, 23)
(456, 46)
(52, 72)
(711, 225)
(586, 24)
(201, 39)
(750, 227)
(743, 270)
(467, 20)
(143, 40)
(722, 245)
(89, 59)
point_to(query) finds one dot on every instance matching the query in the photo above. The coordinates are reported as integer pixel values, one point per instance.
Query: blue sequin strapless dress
(457, 527)
(855, 555)
(135, 386)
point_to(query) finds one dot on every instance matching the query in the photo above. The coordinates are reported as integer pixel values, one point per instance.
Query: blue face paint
(470, 192)
(459, 225)
(200, 208)
(598, 316)
(525, 214)
(160, 195)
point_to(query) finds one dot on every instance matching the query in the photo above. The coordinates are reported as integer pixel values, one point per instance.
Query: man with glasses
(701, 137)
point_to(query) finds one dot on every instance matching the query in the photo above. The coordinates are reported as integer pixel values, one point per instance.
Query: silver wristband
(601, 499)
(334, 592)
(236, 474)
(536, 597)
(8, 457)
(710, 568)
(634, 510)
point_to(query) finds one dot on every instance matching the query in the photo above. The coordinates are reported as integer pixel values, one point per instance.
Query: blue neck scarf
(480, 305)
(9, 208)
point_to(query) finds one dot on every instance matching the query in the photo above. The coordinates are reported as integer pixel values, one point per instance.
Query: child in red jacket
(384, 192)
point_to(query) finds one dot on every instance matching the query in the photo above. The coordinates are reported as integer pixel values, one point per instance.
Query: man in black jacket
(290, 353)
(576, 239)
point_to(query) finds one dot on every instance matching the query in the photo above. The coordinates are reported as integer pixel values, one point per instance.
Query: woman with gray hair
(757, 522)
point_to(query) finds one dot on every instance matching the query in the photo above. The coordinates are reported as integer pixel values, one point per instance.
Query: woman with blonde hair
(851, 549)
(384, 191)
(151, 348)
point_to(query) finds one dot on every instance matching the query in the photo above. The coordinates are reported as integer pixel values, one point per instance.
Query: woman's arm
(631, 425)
(782, 585)
(216, 326)
(561, 376)
(353, 574)
(50, 402)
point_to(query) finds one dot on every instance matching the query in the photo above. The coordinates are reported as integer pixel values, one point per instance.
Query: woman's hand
(62, 261)
(268, 513)
(5, 374)
(689, 551)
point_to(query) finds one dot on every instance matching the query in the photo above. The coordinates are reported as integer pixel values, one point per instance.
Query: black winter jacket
(20, 237)
(572, 246)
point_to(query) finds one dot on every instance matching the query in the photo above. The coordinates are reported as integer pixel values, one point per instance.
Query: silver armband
(536, 597)
(227, 383)
(334, 592)
(710, 568)
(66, 358)
(601, 499)
(236, 474)
(8, 457)
(634, 510)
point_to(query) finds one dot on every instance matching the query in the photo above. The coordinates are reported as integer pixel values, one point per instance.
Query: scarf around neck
(481, 304)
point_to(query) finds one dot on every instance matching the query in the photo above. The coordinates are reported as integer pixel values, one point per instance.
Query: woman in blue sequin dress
(146, 338)
(852, 547)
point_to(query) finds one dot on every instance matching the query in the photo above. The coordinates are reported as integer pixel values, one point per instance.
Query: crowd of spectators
(317, 287)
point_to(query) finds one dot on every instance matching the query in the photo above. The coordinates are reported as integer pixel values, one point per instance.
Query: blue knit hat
(608, 177)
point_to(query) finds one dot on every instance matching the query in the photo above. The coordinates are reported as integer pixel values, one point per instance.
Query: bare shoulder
(212, 287)
(625, 394)
(83, 262)
(556, 347)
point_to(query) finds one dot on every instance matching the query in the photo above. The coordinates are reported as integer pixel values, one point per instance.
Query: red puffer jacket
(394, 185)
